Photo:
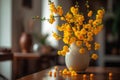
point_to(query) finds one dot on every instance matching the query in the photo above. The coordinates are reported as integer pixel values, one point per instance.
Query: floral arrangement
(76, 28)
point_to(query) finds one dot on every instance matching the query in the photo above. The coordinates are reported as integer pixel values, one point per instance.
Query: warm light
(91, 75)
(50, 73)
(56, 68)
(110, 74)
(55, 73)
(84, 75)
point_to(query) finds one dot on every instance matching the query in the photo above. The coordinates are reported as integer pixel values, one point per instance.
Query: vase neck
(75, 47)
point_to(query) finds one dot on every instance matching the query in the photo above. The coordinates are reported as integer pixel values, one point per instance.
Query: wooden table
(29, 63)
(6, 56)
(22, 60)
(100, 73)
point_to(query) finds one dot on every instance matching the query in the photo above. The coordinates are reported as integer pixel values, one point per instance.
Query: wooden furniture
(100, 73)
(29, 63)
(5, 56)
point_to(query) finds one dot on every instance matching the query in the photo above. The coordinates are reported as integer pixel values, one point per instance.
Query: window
(5, 23)
(46, 27)
(5, 34)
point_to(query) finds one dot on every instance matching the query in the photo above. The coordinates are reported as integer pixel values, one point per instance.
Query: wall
(5, 34)
(5, 23)
(23, 22)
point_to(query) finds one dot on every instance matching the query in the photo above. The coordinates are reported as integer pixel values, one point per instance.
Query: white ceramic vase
(78, 62)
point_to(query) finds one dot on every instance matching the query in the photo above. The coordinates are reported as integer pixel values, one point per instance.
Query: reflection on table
(100, 73)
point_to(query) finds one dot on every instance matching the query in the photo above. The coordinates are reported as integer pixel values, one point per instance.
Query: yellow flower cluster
(76, 29)
(56, 36)
(63, 72)
(64, 51)
(69, 72)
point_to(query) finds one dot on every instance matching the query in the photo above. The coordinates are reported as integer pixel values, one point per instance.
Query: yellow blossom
(80, 37)
(63, 53)
(72, 39)
(83, 31)
(66, 40)
(90, 13)
(65, 71)
(90, 38)
(74, 29)
(88, 26)
(89, 34)
(97, 46)
(52, 7)
(90, 21)
(68, 73)
(59, 28)
(94, 56)
(68, 28)
(67, 34)
(73, 73)
(99, 16)
(59, 52)
(68, 16)
(100, 12)
(100, 27)
(74, 10)
(82, 50)
(59, 10)
(66, 48)
(51, 20)
(96, 22)
(62, 18)
(78, 43)
(88, 45)
(56, 36)
(89, 48)
(95, 31)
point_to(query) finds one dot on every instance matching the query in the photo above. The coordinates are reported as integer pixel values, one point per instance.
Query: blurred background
(23, 36)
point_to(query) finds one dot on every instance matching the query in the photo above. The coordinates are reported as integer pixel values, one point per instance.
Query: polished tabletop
(100, 73)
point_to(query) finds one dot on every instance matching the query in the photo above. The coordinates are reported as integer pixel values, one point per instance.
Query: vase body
(26, 43)
(78, 62)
